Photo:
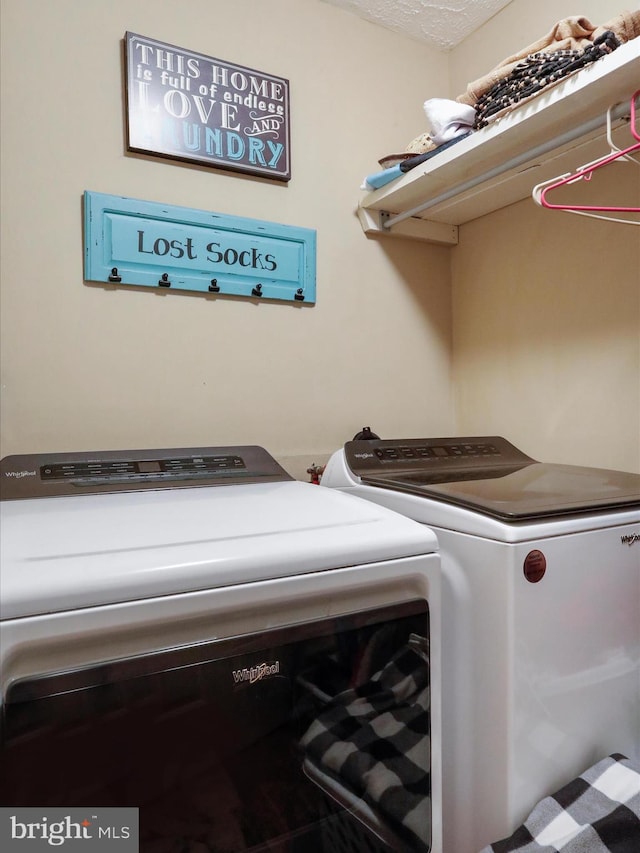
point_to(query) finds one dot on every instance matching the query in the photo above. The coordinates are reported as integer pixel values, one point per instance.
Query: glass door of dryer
(312, 738)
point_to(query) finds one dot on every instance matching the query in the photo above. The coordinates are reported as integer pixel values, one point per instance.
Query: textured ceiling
(442, 25)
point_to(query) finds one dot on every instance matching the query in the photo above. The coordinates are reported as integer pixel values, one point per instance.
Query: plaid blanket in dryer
(374, 741)
(599, 812)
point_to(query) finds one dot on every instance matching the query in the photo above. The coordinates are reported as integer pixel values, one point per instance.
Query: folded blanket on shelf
(574, 33)
(599, 812)
(536, 72)
(375, 739)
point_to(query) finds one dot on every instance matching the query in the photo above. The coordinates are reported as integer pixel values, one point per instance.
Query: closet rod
(619, 111)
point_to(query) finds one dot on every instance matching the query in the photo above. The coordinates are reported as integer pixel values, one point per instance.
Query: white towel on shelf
(448, 119)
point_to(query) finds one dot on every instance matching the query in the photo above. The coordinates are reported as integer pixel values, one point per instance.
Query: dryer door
(287, 739)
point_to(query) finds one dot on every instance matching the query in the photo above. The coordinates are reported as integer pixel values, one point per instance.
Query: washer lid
(491, 476)
(63, 553)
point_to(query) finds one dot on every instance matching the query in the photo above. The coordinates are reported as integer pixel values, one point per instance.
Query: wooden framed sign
(187, 106)
(129, 241)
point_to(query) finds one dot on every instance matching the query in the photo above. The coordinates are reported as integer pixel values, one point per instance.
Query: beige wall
(545, 318)
(547, 304)
(84, 367)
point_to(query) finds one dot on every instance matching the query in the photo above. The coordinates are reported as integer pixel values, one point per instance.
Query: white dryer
(189, 633)
(541, 615)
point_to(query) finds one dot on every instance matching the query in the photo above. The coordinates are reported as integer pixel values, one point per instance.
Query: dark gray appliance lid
(59, 474)
(489, 475)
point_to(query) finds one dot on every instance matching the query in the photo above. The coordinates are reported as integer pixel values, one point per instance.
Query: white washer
(185, 599)
(541, 615)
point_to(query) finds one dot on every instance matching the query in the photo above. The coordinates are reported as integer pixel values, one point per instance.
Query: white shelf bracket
(373, 224)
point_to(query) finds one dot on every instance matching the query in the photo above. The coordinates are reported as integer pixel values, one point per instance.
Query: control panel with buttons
(385, 457)
(41, 475)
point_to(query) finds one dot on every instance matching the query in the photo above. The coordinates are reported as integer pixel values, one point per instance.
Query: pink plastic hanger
(612, 144)
(585, 172)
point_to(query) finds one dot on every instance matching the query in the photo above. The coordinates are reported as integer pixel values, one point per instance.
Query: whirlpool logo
(28, 829)
(253, 674)
(630, 538)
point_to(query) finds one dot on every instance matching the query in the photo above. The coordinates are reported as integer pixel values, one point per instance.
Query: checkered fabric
(375, 740)
(599, 812)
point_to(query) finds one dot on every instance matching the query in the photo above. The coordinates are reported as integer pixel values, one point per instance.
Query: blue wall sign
(143, 243)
